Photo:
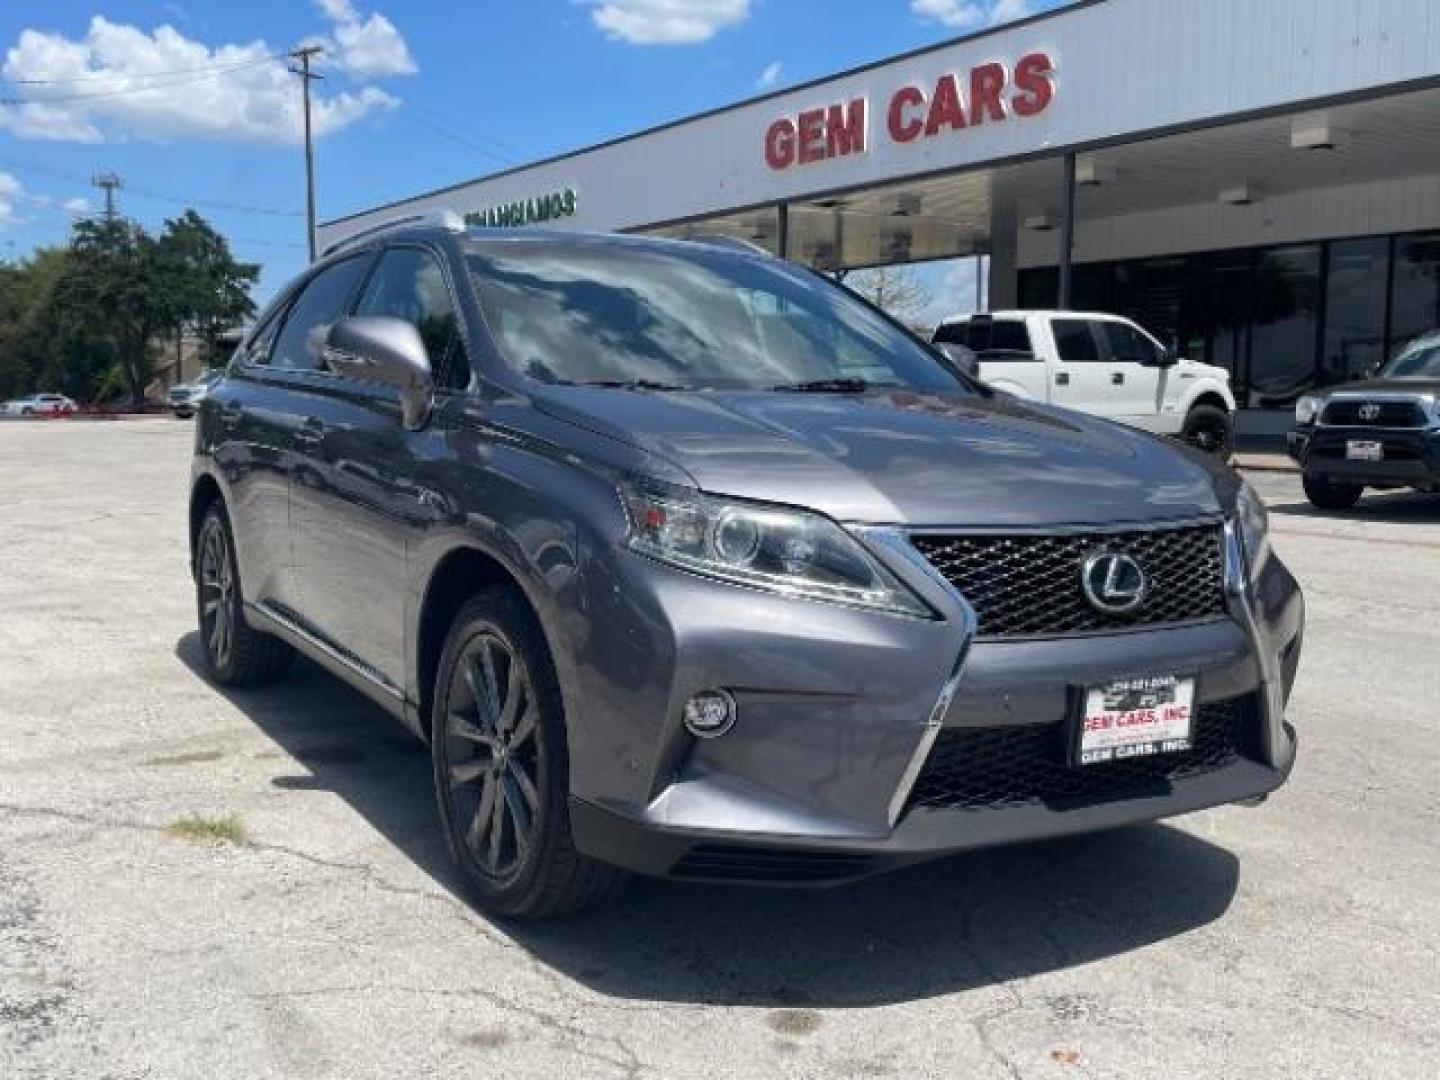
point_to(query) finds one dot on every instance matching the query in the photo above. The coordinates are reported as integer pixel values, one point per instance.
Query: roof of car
(1021, 313)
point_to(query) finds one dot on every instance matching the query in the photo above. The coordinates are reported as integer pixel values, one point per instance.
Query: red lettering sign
(1034, 78)
(818, 134)
(780, 145)
(905, 126)
(988, 93)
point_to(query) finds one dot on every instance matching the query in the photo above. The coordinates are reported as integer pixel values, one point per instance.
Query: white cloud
(964, 14)
(770, 76)
(665, 22)
(78, 205)
(118, 82)
(11, 192)
(368, 47)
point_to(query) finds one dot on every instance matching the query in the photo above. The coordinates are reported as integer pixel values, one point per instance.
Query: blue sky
(416, 95)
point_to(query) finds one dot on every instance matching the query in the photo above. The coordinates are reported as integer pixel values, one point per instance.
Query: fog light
(710, 714)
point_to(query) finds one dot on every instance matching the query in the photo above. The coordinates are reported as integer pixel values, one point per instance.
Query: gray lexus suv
(684, 560)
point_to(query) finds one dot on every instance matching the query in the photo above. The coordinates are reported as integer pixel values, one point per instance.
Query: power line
(148, 88)
(149, 193)
(99, 76)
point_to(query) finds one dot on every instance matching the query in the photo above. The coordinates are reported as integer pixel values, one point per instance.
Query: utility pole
(109, 181)
(303, 57)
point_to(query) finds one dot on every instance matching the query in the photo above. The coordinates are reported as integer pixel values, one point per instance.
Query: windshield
(681, 316)
(1423, 361)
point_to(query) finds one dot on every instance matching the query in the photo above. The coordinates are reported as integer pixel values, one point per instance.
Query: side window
(263, 343)
(409, 284)
(1011, 339)
(1076, 342)
(301, 341)
(1005, 340)
(1128, 345)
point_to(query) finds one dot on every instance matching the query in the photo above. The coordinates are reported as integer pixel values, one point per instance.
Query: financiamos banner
(991, 94)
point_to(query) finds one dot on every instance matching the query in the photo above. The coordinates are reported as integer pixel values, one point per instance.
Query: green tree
(209, 288)
(29, 353)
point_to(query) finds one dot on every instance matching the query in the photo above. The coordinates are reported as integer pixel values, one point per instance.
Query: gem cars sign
(990, 93)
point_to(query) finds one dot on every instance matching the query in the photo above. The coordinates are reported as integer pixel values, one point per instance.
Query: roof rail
(442, 217)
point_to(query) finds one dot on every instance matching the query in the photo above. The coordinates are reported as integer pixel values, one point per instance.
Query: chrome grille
(1025, 585)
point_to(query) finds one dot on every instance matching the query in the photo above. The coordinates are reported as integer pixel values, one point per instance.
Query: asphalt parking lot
(197, 883)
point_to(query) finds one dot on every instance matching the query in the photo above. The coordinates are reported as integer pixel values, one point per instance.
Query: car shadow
(961, 923)
(1398, 506)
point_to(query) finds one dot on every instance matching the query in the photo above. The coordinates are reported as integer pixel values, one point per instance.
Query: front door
(359, 506)
(1082, 379)
(1144, 380)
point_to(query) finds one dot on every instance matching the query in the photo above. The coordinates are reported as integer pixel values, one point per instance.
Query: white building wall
(1410, 204)
(1123, 68)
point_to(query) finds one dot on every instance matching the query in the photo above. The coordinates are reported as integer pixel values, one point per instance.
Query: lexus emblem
(1369, 412)
(1114, 583)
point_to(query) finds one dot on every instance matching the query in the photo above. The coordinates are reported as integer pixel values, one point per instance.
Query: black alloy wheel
(494, 757)
(236, 654)
(501, 771)
(218, 600)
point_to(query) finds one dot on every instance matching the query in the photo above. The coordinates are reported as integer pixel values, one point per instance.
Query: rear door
(1081, 378)
(360, 503)
(1141, 378)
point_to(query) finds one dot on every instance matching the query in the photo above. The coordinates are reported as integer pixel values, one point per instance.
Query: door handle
(312, 430)
(1062, 379)
(1118, 378)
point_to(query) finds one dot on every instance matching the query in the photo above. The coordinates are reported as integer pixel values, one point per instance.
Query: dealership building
(1258, 180)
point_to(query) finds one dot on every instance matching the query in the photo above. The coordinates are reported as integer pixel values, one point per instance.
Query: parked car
(40, 405)
(1382, 432)
(686, 561)
(1103, 365)
(183, 398)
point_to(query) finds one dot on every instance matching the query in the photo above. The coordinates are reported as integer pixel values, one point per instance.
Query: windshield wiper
(627, 384)
(825, 386)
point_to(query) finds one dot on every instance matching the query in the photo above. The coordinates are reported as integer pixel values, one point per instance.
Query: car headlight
(1253, 522)
(1307, 408)
(778, 549)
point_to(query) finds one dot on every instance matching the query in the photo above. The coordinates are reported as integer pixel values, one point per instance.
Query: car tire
(1211, 430)
(1331, 494)
(236, 654)
(27, 412)
(501, 768)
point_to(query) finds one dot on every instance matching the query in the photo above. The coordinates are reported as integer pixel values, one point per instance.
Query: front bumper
(1411, 456)
(841, 711)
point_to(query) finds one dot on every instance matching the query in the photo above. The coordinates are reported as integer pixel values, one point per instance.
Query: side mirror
(1169, 358)
(389, 352)
(961, 358)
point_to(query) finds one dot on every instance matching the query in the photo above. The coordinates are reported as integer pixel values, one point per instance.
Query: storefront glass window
(1415, 308)
(1355, 310)
(1285, 327)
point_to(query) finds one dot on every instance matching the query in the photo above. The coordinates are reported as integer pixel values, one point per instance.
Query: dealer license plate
(1136, 718)
(1364, 450)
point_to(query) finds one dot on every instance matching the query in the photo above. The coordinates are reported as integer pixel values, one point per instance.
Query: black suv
(685, 560)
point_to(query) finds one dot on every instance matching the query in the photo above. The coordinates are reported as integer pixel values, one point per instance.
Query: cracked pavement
(1298, 939)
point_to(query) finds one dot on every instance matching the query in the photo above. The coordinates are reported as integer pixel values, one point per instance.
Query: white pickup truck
(1098, 364)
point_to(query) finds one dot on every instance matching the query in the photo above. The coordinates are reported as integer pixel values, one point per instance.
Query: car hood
(905, 457)
(1416, 385)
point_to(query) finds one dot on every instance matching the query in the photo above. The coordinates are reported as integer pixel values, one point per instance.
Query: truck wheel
(501, 766)
(1331, 494)
(1210, 429)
